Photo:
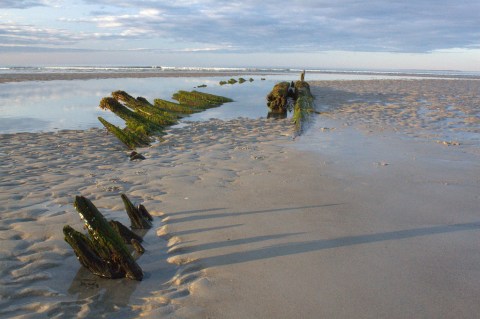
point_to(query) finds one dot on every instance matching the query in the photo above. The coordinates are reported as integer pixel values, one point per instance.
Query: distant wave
(126, 69)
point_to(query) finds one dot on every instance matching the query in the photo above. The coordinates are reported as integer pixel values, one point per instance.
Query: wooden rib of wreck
(143, 119)
(104, 250)
(294, 95)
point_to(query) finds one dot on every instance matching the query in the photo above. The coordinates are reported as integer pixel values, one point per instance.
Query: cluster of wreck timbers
(110, 249)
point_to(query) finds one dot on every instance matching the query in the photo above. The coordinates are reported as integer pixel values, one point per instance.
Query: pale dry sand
(341, 222)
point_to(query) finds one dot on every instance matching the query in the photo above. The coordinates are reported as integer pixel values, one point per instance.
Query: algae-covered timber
(175, 107)
(145, 108)
(136, 122)
(125, 233)
(277, 98)
(130, 139)
(199, 99)
(282, 96)
(138, 218)
(104, 252)
(88, 256)
(143, 119)
(304, 106)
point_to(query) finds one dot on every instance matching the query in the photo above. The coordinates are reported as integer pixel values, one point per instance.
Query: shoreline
(23, 77)
(55, 76)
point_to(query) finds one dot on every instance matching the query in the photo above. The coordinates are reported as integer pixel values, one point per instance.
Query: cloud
(269, 26)
(407, 26)
(24, 4)
(20, 34)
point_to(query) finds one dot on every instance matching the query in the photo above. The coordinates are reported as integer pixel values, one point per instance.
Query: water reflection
(73, 104)
(52, 105)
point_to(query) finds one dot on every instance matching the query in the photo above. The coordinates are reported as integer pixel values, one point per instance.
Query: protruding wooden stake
(137, 219)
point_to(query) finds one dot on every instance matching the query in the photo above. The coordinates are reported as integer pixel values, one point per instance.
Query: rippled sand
(342, 221)
(442, 109)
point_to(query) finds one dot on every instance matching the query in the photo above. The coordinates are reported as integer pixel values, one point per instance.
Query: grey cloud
(408, 26)
(26, 35)
(284, 26)
(21, 4)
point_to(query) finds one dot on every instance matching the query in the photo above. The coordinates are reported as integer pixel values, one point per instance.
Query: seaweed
(241, 80)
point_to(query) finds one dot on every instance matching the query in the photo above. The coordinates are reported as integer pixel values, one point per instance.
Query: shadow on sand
(317, 245)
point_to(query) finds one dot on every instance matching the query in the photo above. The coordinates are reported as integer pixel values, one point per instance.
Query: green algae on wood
(304, 105)
(175, 107)
(277, 98)
(130, 139)
(200, 99)
(145, 108)
(88, 256)
(104, 252)
(125, 233)
(144, 119)
(137, 216)
(280, 99)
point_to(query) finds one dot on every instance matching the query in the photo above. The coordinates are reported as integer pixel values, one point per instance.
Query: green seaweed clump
(241, 80)
(232, 81)
(222, 82)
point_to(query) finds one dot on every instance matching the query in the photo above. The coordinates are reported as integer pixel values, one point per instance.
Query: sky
(330, 34)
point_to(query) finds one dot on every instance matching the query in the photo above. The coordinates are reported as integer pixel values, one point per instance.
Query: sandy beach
(372, 213)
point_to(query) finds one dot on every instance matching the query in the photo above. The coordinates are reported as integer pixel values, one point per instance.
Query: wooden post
(104, 253)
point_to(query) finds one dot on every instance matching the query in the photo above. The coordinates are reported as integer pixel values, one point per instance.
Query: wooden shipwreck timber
(143, 119)
(294, 97)
(106, 250)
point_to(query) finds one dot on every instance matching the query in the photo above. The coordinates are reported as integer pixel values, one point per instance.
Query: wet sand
(19, 77)
(250, 223)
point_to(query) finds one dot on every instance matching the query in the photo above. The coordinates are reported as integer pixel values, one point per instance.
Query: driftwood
(104, 251)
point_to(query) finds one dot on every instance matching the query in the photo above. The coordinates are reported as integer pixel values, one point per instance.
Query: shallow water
(43, 106)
